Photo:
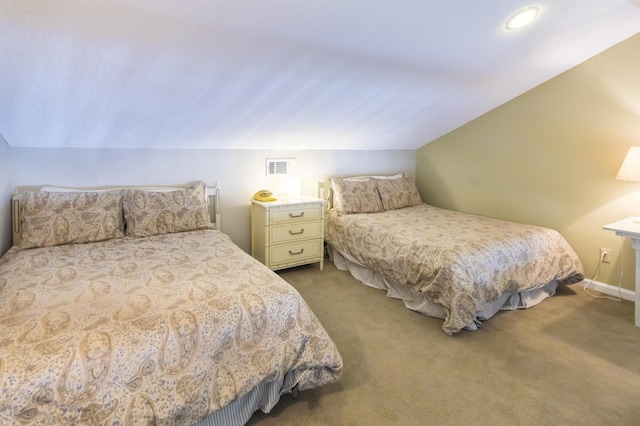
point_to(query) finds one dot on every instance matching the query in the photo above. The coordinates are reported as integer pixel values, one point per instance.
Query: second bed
(460, 267)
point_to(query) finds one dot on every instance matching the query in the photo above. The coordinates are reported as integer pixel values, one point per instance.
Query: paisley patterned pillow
(398, 193)
(356, 196)
(57, 218)
(149, 213)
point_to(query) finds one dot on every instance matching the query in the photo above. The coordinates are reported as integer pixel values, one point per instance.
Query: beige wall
(550, 157)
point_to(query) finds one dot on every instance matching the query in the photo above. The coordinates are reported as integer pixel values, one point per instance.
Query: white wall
(5, 195)
(239, 173)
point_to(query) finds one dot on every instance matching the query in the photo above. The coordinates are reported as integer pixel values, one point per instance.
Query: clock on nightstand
(286, 233)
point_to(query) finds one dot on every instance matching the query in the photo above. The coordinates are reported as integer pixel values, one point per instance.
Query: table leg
(636, 245)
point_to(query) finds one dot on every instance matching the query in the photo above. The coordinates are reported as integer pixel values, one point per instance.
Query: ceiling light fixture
(522, 18)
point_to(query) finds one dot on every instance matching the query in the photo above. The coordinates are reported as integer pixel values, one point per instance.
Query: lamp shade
(630, 169)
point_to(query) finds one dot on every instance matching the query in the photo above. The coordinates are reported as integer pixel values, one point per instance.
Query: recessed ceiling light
(522, 18)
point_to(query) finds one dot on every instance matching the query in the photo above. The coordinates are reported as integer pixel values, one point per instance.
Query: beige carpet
(571, 360)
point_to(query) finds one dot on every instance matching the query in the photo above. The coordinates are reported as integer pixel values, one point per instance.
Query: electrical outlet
(605, 255)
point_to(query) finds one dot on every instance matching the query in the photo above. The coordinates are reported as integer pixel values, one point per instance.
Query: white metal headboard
(213, 204)
(325, 191)
(213, 201)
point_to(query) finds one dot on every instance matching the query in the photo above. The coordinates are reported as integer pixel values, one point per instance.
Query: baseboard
(608, 289)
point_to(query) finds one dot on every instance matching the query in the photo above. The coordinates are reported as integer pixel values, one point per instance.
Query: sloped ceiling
(279, 74)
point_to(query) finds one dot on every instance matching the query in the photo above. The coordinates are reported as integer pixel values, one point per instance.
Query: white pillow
(398, 176)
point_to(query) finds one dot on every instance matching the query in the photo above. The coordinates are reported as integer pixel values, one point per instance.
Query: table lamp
(630, 169)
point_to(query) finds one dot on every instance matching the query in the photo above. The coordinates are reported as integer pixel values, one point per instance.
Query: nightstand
(286, 233)
(630, 228)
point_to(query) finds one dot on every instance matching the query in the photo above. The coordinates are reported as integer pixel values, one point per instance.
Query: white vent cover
(281, 166)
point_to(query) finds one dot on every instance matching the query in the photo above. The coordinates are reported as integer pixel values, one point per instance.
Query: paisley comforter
(458, 260)
(163, 329)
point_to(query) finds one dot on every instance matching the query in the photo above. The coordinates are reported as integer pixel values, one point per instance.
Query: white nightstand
(629, 228)
(286, 233)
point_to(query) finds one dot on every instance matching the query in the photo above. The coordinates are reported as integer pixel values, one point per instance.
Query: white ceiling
(279, 74)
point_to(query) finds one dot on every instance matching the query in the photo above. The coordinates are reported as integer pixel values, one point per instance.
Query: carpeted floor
(572, 360)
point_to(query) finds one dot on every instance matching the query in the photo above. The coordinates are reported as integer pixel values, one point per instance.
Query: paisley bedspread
(458, 260)
(156, 330)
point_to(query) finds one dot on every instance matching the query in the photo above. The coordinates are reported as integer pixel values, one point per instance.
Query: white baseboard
(608, 289)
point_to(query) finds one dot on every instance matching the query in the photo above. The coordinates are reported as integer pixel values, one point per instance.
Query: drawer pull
(296, 252)
(296, 215)
(296, 233)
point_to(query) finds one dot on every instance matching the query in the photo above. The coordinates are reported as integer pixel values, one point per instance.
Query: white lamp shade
(295, 188)
(630, 169)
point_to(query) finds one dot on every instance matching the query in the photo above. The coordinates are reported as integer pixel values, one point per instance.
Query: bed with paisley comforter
(127, 307)
(460, 267)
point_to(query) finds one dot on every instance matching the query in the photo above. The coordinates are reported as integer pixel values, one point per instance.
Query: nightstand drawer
(296, 251)
(294, 232)
(296, 213)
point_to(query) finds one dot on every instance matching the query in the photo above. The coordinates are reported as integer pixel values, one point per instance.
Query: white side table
(628, 228)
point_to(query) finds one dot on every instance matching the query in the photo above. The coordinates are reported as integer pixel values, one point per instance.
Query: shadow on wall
(440, 198)
(534, 181)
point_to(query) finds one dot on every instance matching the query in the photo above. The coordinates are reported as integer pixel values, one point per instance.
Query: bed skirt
(262, 397)
(506, 302)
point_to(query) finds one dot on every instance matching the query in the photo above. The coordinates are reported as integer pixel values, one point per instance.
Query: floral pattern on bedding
(150, 213)
(458, 260)
(356, 196)
(55, 218)
(398, 193)
(164, 329)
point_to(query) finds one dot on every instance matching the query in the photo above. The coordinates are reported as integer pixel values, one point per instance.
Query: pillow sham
(148, 213)
(57, 218)
(356, 196)
(398, 193)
